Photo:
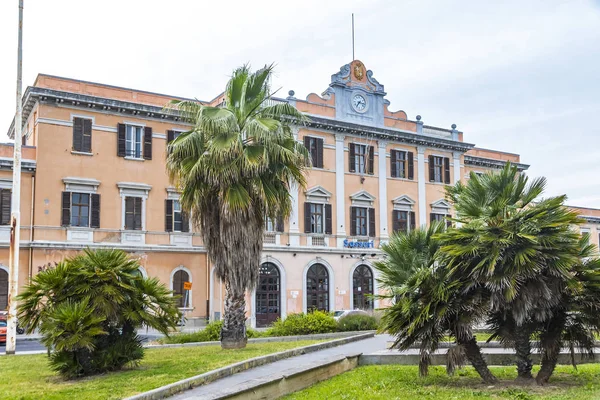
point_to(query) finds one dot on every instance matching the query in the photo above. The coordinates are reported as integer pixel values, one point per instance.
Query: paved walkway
(377, 343)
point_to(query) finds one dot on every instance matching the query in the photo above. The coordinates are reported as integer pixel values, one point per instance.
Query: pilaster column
(340, 197)
(383, 213)
(294, 232)
(456, 166)
(421, 185)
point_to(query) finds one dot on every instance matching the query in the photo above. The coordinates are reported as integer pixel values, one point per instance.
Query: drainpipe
(31, 225)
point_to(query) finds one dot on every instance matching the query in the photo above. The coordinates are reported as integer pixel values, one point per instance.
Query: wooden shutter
(395, 221)
(168, 215)
(129, 210)
(170, 136)
(121, 140)
(280, 224)
(448, 222)
(312, 156)
(86, 142)
(66, 209)
(413, 220)
(393, 165)
(411, 165)
(372, 222)
(446, 170)
(431, 217)
(371, 160)
(320, 153)
(5, 199)
(328, 224)
(352, 221)
(95, 211)
(78, 134)
(138, 213)
(352, 152)
(185, 222)
(147, 143)
(431, 170)
(307, 218)
(24, 140)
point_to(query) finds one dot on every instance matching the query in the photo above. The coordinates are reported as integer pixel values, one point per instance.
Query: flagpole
(15, 219)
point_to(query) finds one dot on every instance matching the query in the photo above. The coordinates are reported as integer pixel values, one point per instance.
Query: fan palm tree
(516, 248)
(428, 302)
(234, 168)
(89, 307)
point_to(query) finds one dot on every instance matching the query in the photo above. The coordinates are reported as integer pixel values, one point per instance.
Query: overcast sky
(521, 76)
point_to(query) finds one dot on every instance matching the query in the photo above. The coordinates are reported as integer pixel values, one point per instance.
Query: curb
(189, 383)
(316, 336)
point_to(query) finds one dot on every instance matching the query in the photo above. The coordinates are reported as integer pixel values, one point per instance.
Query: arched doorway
(179, 278)
(3, 289)
(362, 288)
(317, 288)
(268, 295)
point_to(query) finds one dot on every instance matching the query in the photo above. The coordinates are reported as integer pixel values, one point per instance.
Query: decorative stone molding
(73, 184)
(172, 193)
(441, 207)
(490, 163)
(362, 199)
(317, 194)
(134, 189)
(403, 203)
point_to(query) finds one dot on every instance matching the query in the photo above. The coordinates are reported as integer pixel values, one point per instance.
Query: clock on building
(359, 103)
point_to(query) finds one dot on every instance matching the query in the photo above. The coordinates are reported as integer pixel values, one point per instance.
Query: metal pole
(15, 219)
(353, 37)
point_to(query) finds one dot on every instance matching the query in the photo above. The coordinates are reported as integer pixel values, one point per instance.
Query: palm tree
(235, 167)
(515, 247)
(576, 318)
(89, 307)
(428, 302)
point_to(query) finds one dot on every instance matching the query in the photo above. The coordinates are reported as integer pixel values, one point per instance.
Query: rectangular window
(80, 209)
(438, 169)
(361, 222)
(133, 141)
(270, 224)
(401, 221)
(5, 201)
(316, 218)
(398, 167)
(177, 217)
(133, 213)
(82, 135)
(437, 217)
(360, 158)
(315, 149)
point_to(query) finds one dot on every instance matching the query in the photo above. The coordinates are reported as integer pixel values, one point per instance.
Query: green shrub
(211, 333)
(357, 322)
(88, 309)
(303, 324)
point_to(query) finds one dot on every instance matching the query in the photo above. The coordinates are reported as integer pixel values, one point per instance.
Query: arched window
(362, 288)
(179, 278)
(268, 295)
(3, 289)
(317, 288)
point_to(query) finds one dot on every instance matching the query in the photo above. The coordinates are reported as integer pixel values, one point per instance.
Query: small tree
(88, 309)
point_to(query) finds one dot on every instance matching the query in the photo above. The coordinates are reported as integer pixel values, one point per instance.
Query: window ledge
(134, 158)
(401, 179)
(439, 183)
(366, 175)
(81, 153)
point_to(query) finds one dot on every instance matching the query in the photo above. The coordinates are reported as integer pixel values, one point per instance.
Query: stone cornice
(26, 165)
(94, 103)
(591, 219)
(392, 135)
(491, 163)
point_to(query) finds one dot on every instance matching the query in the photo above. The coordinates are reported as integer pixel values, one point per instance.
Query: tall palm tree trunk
(473, 354)
(523, 353)
(550, 343)
(233, 332)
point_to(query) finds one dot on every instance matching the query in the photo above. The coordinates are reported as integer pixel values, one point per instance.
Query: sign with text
(358, 244)
(187, 285)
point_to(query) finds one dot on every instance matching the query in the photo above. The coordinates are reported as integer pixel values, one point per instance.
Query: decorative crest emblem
(359, 71)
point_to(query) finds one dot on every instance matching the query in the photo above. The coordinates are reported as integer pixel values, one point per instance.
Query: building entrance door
(268, 295)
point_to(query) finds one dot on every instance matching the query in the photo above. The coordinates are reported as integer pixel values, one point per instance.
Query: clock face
(359, 103)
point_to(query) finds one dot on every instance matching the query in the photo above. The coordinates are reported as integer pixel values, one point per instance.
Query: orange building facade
(94, 176)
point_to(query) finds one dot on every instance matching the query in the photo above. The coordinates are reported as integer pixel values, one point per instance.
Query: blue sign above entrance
(358, 245)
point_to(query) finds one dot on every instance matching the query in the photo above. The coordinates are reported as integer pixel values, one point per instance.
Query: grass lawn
(28, 376)
(402, 382)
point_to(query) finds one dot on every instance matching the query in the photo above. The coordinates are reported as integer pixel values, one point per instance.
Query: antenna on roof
(353, 37)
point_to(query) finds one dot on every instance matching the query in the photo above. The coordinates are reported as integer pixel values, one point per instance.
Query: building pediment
(442, 206)
(317, 194)
(362, 199)
(403, 203)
